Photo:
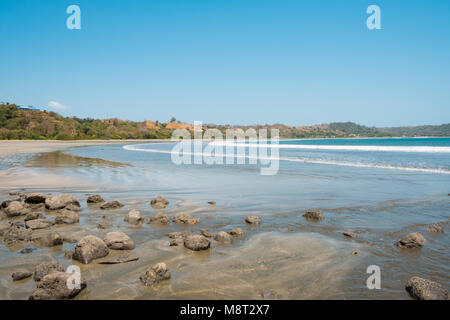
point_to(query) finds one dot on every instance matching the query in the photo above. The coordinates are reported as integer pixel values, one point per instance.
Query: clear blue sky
(230, 61)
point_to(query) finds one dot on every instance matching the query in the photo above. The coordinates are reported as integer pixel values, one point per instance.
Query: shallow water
(374, 193)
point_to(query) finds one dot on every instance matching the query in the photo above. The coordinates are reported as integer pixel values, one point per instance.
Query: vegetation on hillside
(16, 123)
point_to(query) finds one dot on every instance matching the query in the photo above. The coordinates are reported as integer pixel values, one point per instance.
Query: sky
(230, 61)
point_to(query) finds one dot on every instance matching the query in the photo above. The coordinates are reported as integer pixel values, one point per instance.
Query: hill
(16, 123)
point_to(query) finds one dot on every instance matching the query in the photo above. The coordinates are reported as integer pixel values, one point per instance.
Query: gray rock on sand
(313, 215)
(134, 217)
(54, 287)
(111, 205)
(73, 207)
(197, 242)
(95, 199)
(155, 274)
(435, 228)
(184, 218)
(177, 238)
(45, 268)
(67, 217)
(20, 275)
(255, 220)
(236, 232)
(6, 203)
(160, 218)
(33, 216)
(16, 233)
(349, 234)
(223, 237)
(60, 201)
(38, 224)
(35, 197)
(205, 233)
(90, 248)
(159, 203)
(412, 240)
(45, 238)
(176, 242)
(424, 289)
(118, 240)
(14, 209)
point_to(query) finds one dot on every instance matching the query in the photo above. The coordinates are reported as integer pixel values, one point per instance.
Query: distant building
(29, 108)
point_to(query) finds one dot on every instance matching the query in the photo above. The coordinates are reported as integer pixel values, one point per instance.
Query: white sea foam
(312, 161)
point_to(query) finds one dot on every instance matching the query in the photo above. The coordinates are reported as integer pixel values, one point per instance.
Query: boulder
(197, 242)
(14, 209)
(90, 248)
(185, 218)
(118, 240)
(95, 199)
(205, 233)
(435, 228)
(54, 287)
(134, 217)
(155, 274)
(160, 218)
(111, 205)
(179, 234)
(16, 233)
(424, 289)
(67, 217)
(159, 203)
(255, 220)
(176, 242)
(313, 215)
(45, 238)
(60, 202)
(20, 275)
(412, 240)
(34, 206)
(73, 207)
(38, 224)
(223, 237)
(45, 268)
(33, 216)
(236, 232)
(6, 203)
(35, 198)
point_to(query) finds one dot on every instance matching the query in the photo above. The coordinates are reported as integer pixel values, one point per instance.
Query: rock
(95, 199)
(253, 220)
(313, 215)
(54, 287)
(38, 224)
(16, 233)
(160, 218)
(105, 224)
(14, 209)
(176, 242)
(197, 242)
(159, 203)
(118, 240)
(185, 218)
(6, 203)
(67, 217)
(90, 248)
(4, 226)
(20, 275)
(155, 274)
(72, 207)
(33, 216)
(68, 255)
(26, 250)
(45, 268)
(412, 240)
(236, 232)
(424, 289)
(213, 203)
(179, 234)
(349, 234)
(35, 198)
(34, 206)
(223, 237)
(46, 238)
(435, 228)
(124, 258)
(134, 217)
(60, 202)
(111, 205)
(205, 233)
(17, 193)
